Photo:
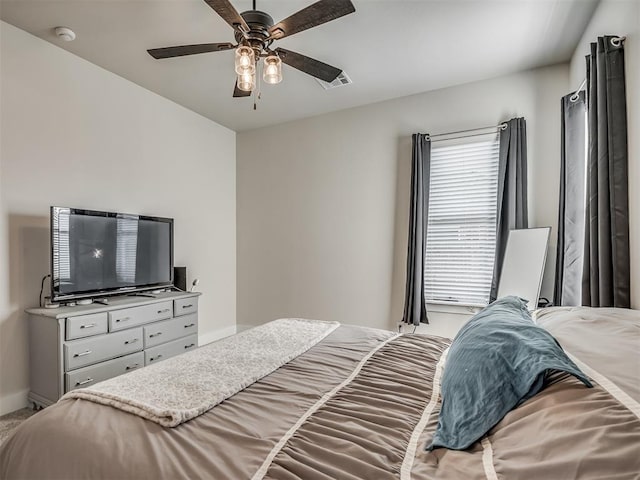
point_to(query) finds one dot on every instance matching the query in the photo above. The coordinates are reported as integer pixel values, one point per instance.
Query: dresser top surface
(115, 303)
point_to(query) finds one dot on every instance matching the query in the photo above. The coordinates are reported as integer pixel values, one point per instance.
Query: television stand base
(150, 295)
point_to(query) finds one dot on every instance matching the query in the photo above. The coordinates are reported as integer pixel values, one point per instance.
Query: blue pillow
(499, 359)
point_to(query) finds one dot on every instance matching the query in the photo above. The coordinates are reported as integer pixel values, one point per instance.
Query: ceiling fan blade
(240, 93)
(309, 65)
(182, 50)
(229, 14)
(320, 12)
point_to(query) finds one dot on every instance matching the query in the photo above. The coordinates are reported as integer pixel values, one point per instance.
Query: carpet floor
(11, 420)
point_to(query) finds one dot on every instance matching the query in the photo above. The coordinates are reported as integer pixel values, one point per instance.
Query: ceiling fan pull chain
(257, 93)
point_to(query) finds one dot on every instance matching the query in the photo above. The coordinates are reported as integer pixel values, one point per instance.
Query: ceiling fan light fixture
(247, 81)
(245, 60)
(255, 32)
(272, 69)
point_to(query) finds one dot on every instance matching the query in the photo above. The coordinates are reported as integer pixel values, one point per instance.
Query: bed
(362, 404)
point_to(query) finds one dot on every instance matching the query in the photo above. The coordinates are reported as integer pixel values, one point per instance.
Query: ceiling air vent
(342, 79)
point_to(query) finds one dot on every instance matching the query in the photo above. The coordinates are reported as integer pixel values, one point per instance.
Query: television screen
(103, 252)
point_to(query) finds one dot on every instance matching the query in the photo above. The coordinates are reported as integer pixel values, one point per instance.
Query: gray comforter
(361, 404)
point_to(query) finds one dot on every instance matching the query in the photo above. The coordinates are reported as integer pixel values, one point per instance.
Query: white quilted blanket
(183, 387)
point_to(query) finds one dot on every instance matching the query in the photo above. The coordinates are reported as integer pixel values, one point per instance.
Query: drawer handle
(190, 325)
(164, 311)
(133, 367)
(124, 319)
(187, 306)
(84, 382)
(128, 342)
(155, 358)
(88, 325)
(155, 334)
(189, 346)
(82, 354)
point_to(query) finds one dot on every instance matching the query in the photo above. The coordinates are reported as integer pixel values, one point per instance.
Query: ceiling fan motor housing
(258, 36)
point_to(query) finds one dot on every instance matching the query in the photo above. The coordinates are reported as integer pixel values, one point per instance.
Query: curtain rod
(499, 127)
(615, 41)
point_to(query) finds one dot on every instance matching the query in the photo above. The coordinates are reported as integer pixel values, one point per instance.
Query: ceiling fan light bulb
(246, 82)
(245, 61)
(272, 69)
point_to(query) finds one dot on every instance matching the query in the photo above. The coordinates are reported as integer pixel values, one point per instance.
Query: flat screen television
(94, 253)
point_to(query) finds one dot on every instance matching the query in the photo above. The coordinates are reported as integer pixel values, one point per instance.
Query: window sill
(455, 308)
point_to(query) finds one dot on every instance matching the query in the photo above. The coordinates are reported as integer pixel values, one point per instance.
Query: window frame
(486, 158)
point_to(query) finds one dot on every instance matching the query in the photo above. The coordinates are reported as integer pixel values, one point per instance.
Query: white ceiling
(389, 48)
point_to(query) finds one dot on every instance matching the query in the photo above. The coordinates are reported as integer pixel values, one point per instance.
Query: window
(61, 262)
(126, 248)
(461, 231)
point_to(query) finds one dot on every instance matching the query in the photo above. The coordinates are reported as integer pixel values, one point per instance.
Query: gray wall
(323, 202)
(76, 135)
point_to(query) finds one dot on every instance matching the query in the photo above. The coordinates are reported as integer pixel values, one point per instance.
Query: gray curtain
(512, 190)
(570, 247)
(606, 271)
(415, 309)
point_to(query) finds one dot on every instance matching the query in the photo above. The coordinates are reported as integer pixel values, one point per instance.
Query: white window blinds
(461, 231)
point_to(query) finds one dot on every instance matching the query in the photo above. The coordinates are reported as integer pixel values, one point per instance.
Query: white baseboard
(12, 402)
(214, 335)
(240, 328)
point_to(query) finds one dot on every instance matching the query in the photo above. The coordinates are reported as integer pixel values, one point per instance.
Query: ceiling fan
(254, 33)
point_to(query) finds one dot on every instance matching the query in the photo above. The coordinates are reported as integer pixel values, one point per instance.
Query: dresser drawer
(171, 349)
(132, 317)
(79, 353)
(162, 332)
(83, 377)
(185, 306)
(85, 325)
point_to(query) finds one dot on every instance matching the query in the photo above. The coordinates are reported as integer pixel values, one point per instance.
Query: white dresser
(73, 347)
